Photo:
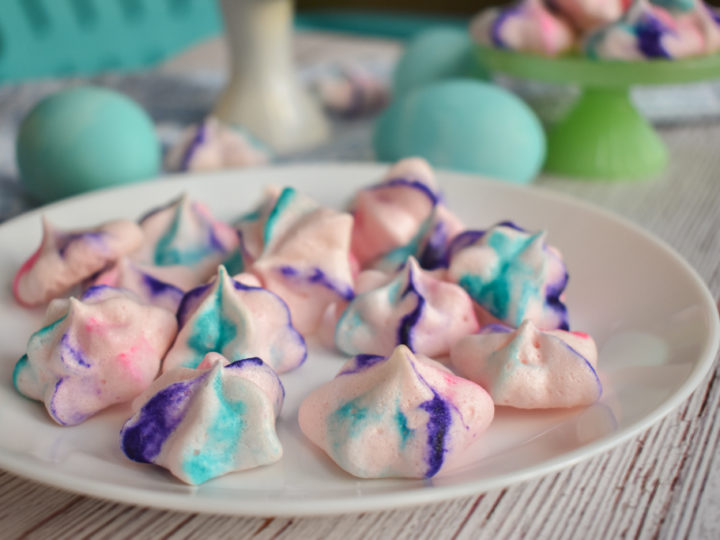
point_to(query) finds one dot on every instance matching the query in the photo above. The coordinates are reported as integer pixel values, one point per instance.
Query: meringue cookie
(649, 31)
(185, 238)
(527, 26)
(91, 353)
(530, 369)
(511, 273)
(410, 308)
(590, 14)
(300, 251)
(206, 422)
(65, 258)
(211, 145)
(237, 321)
(351, 91)
(402, 416)
(142, 281)
(401, 216)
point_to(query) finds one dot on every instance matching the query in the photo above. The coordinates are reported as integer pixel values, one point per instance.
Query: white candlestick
(263, 94)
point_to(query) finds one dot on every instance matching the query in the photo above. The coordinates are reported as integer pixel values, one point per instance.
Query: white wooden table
(664, 483)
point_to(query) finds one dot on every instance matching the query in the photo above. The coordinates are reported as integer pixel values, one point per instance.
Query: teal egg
(82, 139)
(464, 125)
(434, 55)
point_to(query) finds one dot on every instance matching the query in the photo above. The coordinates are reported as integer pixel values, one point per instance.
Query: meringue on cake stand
(603, 136)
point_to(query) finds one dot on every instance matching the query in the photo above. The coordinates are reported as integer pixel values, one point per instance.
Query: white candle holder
(263, 93)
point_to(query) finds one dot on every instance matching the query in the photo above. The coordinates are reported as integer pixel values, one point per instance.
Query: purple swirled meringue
(102, 349)
(65, 258)
(205, 422)
(401, 216)
(401, 416)
(300, 251)
(530, 369)
(411, 307)
(648, 31)
(511, 273)
(237, 321)
(212, 145)
(186, 241)
(527, 26)
(147, 283)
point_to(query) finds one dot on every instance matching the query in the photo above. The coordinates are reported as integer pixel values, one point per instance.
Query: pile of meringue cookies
(603, 29)
(192, 319)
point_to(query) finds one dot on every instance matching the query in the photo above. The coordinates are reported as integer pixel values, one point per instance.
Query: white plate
(653, 318)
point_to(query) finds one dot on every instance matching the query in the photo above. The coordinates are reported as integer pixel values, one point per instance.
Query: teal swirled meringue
(511, 273)
(300, 250)
(205, 422)
(410, 307)
(237, 321)
(401, 416)
(183, 236)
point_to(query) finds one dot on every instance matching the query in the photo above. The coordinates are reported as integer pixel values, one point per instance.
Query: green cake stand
(603, 136)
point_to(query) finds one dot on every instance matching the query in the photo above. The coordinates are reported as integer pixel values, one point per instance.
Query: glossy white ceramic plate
(653, 319)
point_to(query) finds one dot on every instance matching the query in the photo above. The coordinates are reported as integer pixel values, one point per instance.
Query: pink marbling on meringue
(398, 216)
(401, 416)
(65, 258)
(91, 353)
(300, 251)
(530, 369)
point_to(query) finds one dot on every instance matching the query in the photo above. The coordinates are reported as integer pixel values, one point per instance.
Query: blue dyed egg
(82, 139)
(467, 126)
(434, 55)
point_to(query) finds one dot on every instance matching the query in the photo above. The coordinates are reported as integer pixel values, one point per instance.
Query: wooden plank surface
(664, 483)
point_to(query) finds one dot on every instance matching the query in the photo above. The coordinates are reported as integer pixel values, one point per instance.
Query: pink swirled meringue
(527, 26)
(300, 251)
(650, 31)
(237, 321)
(511, 273)
(143, 281)
(65, 258)
(411, 308)
(91, 353)
(351, 91)
(205, 422)
(590, 14)
(402, 416)
(401, 216)
(212, 145)
(530, 369)
(185, 241)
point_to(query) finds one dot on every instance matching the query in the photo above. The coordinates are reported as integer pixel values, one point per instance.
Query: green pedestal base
(604, 137)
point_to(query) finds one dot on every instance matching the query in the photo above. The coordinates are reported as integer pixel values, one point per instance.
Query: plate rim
(23, 465)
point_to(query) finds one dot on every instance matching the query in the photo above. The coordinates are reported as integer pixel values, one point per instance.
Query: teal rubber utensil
(58, 38)
(603, 136)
